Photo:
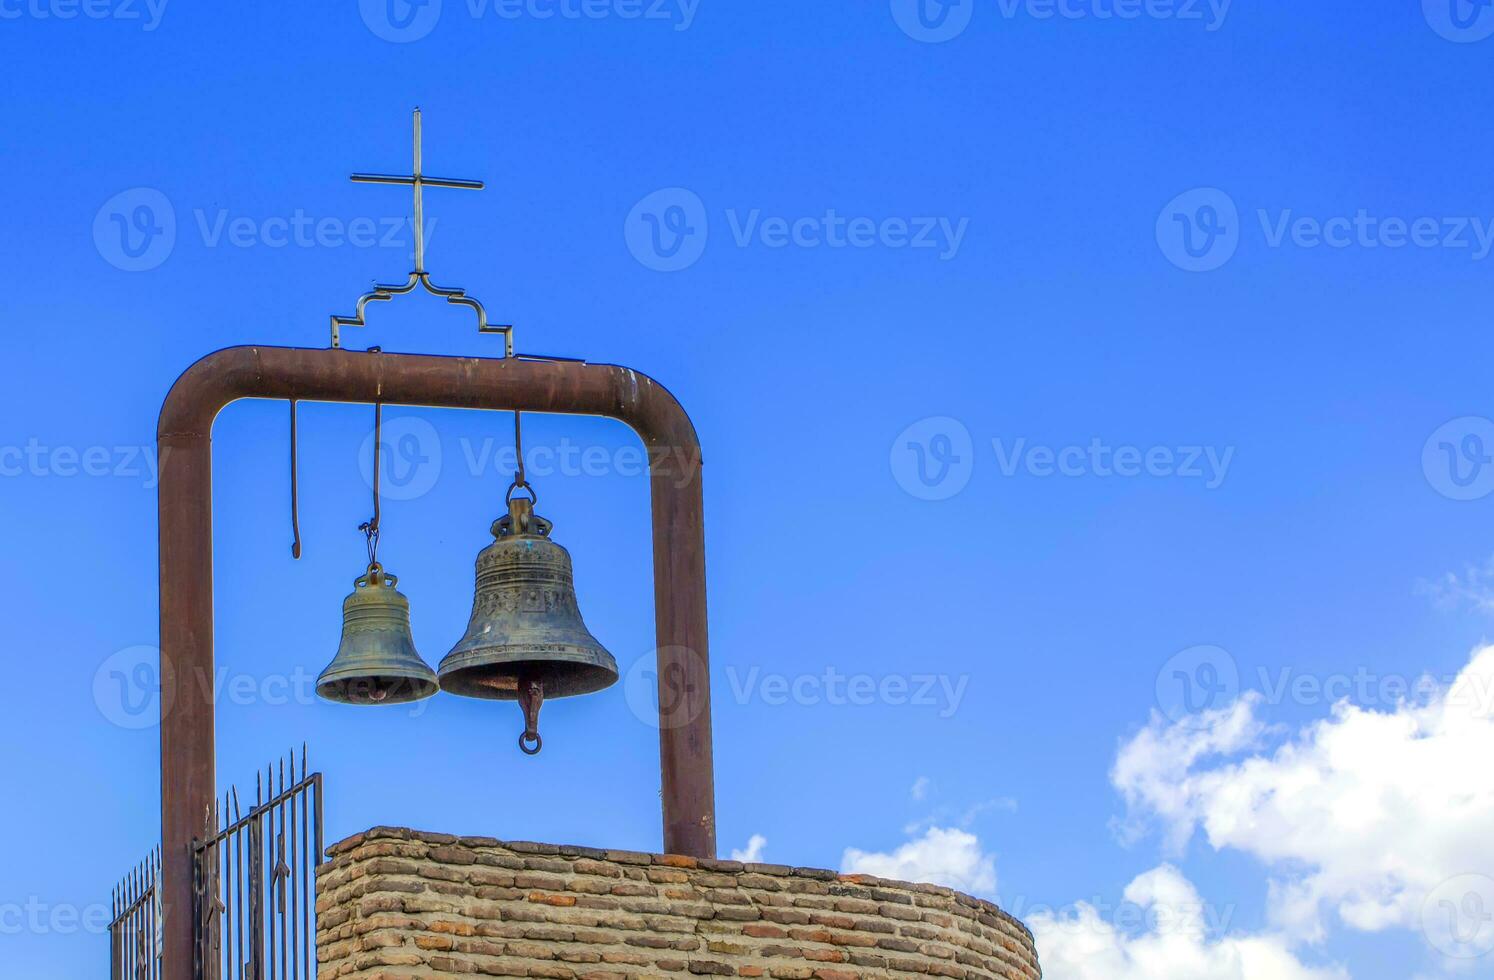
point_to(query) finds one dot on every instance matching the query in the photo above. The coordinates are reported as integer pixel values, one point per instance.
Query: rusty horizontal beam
(566, 387)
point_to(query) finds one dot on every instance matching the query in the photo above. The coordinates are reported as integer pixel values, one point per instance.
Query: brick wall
(400, 904)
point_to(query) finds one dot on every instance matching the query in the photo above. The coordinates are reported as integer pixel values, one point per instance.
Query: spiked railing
(255, 879)
(135, 929)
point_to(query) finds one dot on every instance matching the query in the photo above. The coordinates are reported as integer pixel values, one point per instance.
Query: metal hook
(520, 481)
(295, 492)
(370, 528)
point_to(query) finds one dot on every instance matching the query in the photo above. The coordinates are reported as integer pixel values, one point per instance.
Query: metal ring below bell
(524, 737)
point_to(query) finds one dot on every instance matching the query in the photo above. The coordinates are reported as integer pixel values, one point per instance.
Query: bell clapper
(531, 696)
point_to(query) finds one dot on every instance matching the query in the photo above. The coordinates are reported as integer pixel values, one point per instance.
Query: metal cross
(420, 182)
(383, 293)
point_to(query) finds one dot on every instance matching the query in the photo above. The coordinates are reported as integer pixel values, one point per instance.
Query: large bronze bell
(377, 662)
(526, 641)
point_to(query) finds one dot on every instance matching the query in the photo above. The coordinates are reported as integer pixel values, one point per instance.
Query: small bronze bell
(377, 662)
(526, 641)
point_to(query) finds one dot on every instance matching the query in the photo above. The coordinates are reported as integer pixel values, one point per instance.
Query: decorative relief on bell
(526, 640)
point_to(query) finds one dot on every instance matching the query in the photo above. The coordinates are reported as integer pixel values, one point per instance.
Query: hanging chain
(370, 528)
(371, 532)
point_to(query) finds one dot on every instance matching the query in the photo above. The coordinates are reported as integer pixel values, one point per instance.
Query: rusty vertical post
(187, 732)
(186, 556)
(685, 754)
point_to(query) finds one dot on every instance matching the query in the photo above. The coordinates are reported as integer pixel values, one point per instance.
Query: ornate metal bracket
(383, 293)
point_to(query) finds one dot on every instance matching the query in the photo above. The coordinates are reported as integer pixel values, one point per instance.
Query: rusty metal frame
(184, 439)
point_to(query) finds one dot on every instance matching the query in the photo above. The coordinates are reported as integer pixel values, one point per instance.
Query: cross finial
(419, 181)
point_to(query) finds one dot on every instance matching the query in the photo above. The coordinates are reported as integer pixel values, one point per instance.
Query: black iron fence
(135, 929)
(255, 880)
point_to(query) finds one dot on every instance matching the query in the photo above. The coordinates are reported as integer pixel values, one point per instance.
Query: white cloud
(942, 856)
(961, 817)
(1364, 813)
(920, 787)
(1150, 768)
(756, 844)
(1474, 588)
(1172, 942)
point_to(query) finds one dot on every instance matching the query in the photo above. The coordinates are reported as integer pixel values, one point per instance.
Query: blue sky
(1101, 385)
